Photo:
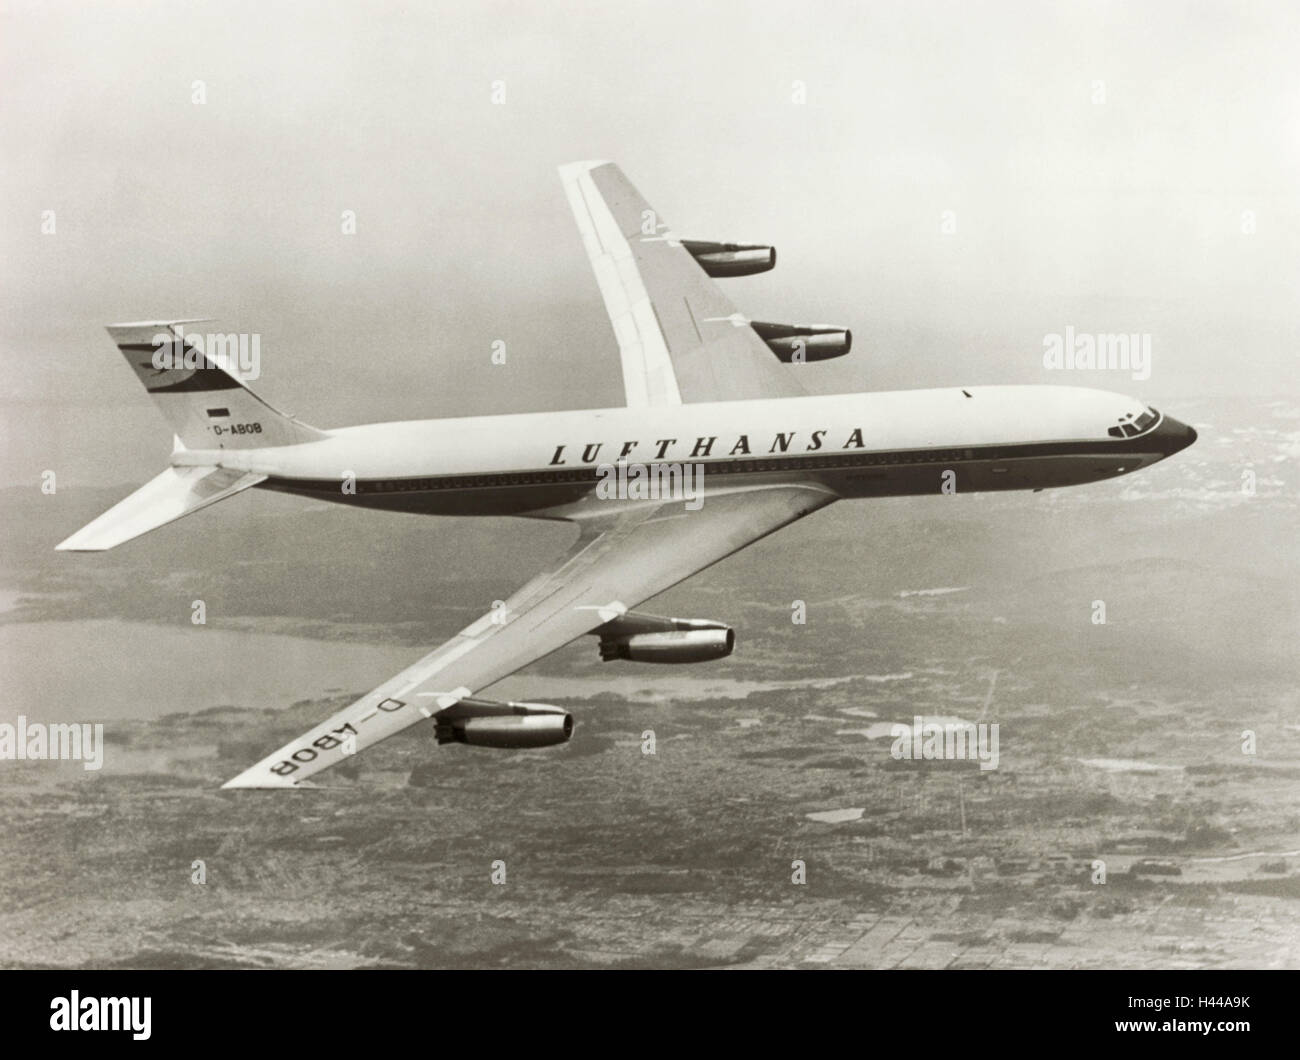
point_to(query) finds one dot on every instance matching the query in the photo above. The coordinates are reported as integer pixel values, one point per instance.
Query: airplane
(706, 389)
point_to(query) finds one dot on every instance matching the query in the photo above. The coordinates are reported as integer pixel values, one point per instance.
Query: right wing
(619, 561)
(679, 337)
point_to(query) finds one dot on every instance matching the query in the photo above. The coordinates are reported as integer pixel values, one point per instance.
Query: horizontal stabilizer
(176, 492)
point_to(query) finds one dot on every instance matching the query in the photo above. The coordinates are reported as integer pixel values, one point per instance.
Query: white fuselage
(858, 445)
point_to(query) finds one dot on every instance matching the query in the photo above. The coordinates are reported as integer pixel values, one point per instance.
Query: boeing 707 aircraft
(709, 394)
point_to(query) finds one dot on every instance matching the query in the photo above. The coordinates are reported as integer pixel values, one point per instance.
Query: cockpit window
(1131, 427)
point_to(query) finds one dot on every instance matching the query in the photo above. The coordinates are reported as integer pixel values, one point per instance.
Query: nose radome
(1173, 436)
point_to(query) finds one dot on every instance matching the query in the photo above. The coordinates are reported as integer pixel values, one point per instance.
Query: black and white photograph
(620, 487)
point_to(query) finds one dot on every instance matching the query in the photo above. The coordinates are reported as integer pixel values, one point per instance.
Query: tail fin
(207, 405)
(176, 492)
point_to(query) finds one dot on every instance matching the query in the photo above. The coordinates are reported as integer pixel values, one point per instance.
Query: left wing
(680, 339)
(618, 561)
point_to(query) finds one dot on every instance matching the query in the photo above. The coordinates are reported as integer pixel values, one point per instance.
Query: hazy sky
(1119, 215)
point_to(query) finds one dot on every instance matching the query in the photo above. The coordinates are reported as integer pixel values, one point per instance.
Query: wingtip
(71, 544)
(251, 778)
(570, 169)
(247, 779)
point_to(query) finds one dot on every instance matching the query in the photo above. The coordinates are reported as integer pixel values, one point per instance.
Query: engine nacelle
(482, 723)
(680, 646)
(818, 342)
(731, 259)
(648, 638)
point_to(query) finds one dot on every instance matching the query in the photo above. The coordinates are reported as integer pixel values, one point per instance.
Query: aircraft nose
(1172, 436)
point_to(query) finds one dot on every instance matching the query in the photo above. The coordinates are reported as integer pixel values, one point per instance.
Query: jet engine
(649, 638)
(731, 259)
(818, 342)
(483, 723)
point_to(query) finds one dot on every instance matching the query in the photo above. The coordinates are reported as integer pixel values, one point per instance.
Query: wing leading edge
(618, 562)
